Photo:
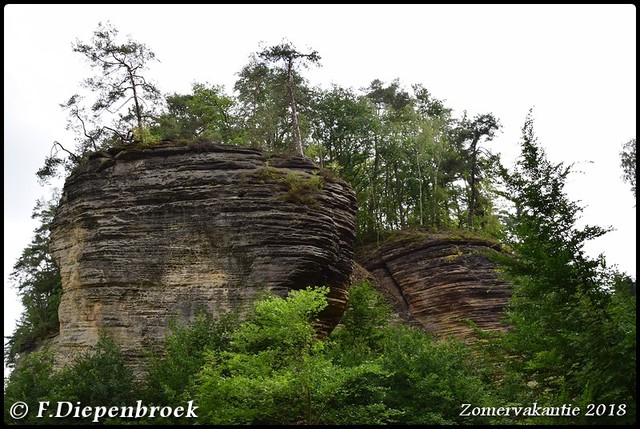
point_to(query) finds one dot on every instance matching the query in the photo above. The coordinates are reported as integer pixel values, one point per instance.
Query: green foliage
(343, 124)
(359, 335)
(98, 377)
(407, 158)
(274, 102)
(30, 382)
(121, 106)
(431, 379)
(563, 302)
(50, 169)
(170, 375)
(205, 114)
(277, 372)
(262, 107)
(411, 164)
(274, 369)
(628, 163)
(289, 54)
(302, 189)
(143, 137)
(283, 326)
(119, 83)
(480, 163)
(268, 174)
(37, 278)
(425, 381)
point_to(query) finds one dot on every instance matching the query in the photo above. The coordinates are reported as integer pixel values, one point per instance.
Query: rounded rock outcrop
(143, 235)
(443, 282)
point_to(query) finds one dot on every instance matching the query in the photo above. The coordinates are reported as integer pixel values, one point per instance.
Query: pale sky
(574, 64)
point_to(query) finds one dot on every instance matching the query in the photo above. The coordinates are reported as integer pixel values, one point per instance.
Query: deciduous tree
(204, 114)
(628, 164)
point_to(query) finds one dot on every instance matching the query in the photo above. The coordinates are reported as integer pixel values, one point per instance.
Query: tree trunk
(472, 182)
(436, 202)
(294, 114)
(420, 196)
(137, 103)
(434, 213)
(374, 189)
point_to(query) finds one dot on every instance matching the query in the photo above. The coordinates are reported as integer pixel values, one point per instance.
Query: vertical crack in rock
(396, 296)
(440, 280)
(396, 287)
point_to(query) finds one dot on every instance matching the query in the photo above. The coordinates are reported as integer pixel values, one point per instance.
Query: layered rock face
(145, 235)
(439, 281)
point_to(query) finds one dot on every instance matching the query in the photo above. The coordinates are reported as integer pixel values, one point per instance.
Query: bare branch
(75, 158)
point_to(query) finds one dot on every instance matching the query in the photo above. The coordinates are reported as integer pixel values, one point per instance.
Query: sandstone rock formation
(146, 234)
(440, 280)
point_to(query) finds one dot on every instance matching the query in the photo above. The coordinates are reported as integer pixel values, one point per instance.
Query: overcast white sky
(575, 64)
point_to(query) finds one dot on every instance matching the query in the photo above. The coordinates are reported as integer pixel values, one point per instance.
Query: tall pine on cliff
(119, 114)
(408, 160)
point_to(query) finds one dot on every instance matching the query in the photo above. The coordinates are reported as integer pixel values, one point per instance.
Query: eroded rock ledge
(440, 280)
(143, 235)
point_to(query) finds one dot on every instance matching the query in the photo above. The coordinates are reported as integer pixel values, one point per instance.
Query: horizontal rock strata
(440, 281)
(144, 235)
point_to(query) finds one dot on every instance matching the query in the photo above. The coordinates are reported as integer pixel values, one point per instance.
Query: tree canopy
(412, 163)
(628, 164)
(120, 86)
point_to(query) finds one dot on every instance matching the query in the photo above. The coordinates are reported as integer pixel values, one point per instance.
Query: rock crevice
(440, 281)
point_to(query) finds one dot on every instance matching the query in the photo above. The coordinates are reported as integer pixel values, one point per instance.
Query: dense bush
(98, 377)
(272, 368)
